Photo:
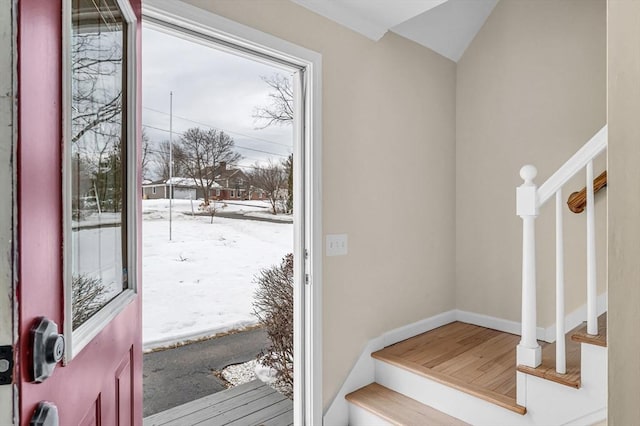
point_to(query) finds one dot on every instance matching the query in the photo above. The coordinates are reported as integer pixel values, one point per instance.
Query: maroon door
(64, 219)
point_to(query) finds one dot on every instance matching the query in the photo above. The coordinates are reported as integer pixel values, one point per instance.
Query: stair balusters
(529, 200)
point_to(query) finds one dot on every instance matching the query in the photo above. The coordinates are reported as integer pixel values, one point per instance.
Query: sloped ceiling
(445, 26)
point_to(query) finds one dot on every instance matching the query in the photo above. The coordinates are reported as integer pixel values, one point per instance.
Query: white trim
(593, 418)
(363, 372)
(94, 325)
(494, 323)
(574, 319)
(76, 340)
(202, 26)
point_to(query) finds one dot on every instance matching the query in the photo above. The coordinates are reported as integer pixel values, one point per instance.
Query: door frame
(244, 40)
(8, 89)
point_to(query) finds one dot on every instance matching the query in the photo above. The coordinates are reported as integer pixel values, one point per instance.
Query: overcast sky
(213, 89)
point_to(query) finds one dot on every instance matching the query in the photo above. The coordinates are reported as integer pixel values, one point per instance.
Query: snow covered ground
(202, 282)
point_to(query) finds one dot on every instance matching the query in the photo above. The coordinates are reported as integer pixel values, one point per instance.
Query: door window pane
(98, 150)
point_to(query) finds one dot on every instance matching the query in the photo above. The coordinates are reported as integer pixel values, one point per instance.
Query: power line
(159, 152)
(217, 128)
(238, 146)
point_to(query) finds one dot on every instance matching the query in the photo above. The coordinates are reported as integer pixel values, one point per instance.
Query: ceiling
(445, 26)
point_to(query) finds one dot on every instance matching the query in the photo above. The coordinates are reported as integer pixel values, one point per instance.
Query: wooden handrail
(578, 200)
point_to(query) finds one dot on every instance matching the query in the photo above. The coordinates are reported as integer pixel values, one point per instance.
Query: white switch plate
(336, 244)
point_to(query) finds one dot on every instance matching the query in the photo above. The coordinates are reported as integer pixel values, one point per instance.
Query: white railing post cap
(528, 173)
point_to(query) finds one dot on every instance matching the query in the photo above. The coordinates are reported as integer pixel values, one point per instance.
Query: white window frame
(76, 340)
(153, 190)
(198, 25)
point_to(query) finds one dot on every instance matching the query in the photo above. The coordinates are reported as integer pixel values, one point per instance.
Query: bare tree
(87, 298)
(279, 110)
(272, 179)
(95, 58)
(288, 165)
(146, 155)
(161, 160)
(96, 115)
(203, 152)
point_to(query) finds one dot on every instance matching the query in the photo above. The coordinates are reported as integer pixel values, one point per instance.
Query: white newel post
(528, 351)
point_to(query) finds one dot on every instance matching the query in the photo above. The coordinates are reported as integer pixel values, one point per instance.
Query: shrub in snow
(86, 297)
(273, 305)
(209, 207)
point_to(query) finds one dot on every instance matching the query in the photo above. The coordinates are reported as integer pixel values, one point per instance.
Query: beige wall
(624, 211)
(531, 88)
(388, 176)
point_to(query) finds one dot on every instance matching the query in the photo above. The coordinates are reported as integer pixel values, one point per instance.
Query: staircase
(466, 374)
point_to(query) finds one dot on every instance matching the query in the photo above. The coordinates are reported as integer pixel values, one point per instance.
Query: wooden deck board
(250, 403)
(284, 419)
(193, 415)
(263, 414)
(472, 359)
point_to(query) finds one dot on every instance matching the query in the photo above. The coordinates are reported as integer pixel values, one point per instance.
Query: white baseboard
(595, 418)
(574, 319)
(363, 372)
(494, 323)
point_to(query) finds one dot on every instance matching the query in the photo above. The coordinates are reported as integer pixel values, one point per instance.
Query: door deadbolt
(48, 349)
(46, 414)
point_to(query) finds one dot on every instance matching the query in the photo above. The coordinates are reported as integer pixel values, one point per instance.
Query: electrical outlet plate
(336, 245)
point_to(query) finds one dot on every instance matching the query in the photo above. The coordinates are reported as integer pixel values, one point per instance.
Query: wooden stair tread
(472, 359)
(471, 389)
(547, 369)
(397, 408)
(580, 334)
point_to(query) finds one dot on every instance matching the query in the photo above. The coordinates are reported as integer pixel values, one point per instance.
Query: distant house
(234, 184)
(183, 188)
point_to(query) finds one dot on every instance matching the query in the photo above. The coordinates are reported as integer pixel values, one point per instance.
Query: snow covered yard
(202, 282)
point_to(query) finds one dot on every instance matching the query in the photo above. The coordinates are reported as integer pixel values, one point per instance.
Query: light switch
(336, 244)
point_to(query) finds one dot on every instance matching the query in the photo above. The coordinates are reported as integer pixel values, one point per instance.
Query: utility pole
(170, 160)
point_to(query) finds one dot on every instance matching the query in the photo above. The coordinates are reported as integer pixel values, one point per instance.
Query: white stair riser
(360, 417)
(446, 399)
(594, 363)
(564, 405)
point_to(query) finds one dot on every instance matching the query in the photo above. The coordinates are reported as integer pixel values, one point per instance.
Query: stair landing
(470, 358)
